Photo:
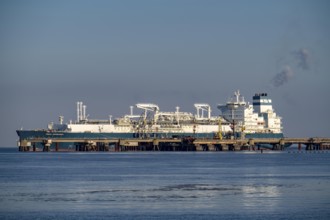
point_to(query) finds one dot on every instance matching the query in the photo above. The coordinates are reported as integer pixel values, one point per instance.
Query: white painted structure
(158, 122)
(257, 118)
(236, 115)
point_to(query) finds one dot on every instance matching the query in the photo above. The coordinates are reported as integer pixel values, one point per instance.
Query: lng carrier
(237, 119)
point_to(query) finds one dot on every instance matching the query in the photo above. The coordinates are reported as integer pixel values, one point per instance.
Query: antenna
(177, 114)
(61, 118)
(237, 95)
(81, 111)
(84, 112)
(78, 115)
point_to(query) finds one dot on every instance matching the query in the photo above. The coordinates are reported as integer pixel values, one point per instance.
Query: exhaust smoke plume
(298, 59)
(283, 76)
(302, 57)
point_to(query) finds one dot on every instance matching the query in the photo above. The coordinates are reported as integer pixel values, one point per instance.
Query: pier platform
(171, 144)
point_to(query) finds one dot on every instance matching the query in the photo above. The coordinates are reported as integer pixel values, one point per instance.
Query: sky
(114, 54)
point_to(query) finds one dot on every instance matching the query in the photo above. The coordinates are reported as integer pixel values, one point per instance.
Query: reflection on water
(261, 196)
(260, 191)
(164, 185)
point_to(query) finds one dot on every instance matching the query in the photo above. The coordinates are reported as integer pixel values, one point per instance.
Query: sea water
(164, 185)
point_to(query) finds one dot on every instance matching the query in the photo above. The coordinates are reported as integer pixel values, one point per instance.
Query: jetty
(170, 144)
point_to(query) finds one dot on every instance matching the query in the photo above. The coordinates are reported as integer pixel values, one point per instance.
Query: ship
(237, 119)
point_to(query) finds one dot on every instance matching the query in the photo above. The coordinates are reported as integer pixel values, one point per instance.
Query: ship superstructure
(257, 118)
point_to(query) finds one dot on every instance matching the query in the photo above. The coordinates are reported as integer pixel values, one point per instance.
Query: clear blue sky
(113, 54)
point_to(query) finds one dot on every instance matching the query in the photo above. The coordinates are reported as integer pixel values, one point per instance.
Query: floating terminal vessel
(237, 119)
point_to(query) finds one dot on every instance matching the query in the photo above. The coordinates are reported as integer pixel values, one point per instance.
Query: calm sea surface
(162, 185)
